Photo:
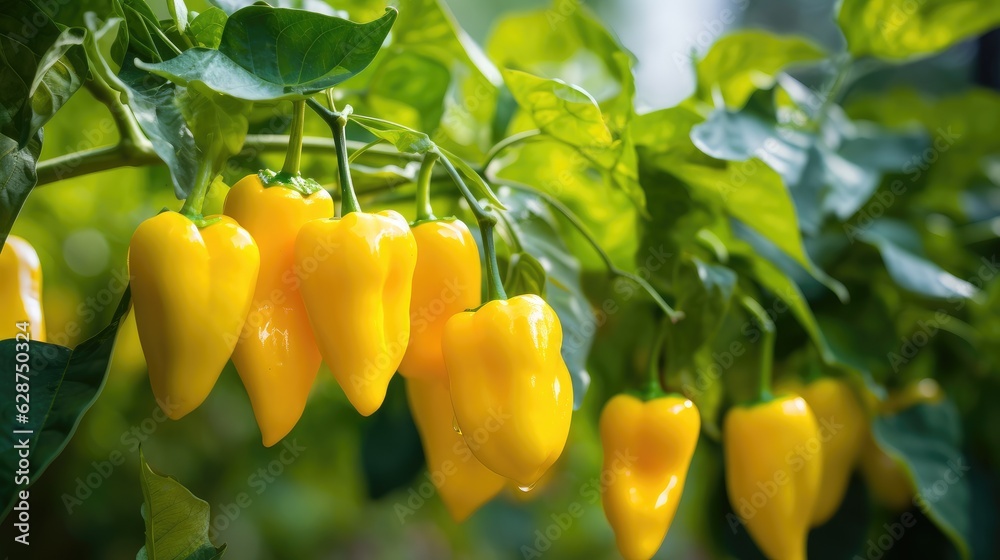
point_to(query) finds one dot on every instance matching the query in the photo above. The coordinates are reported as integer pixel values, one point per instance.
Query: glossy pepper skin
(772, 476)
(648, 447)
(446, 281)
(463, 482)
(511, 390)
(277, 357)
(887, 480)
(834, 404)
(356, 277)
(191, 292)
(20, 289)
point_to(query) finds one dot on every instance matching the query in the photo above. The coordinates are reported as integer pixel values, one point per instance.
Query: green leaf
(206, 29)
(898, 29)
(703, 292)
(64, 383)
(73, 14)
(927, 440)
(177, 521)
(61, 72)
(909, 269)
(277, 53)
(179, 12)
(217, 121)
(743, 62)
(539, 234)
(525, 275)
(477, 184)
(145, 37)
(17, 178)
(404, 139)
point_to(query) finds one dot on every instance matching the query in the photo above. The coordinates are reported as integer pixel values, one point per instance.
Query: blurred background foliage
(351, 489)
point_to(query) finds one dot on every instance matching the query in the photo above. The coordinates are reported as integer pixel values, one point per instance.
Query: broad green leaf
(561, 110)
(318, 6)
(217, 121)
(539, 234)
(525, 275)
(177, 521)
(748, 60)
(73, 14)
(910, 270)
(17, 178)
(277, 53)
(899, 29)
(927, 440)
(405, 140)
(41, 71)
(206, 28)
(64, 383)
(179, 12)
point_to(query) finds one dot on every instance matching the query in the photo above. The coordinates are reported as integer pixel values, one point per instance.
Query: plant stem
(348, 198)
(131, 137)
(507, 142)
(196, 200)
(655, 385)
(767, 350)
(487, 223)
(293, 156)
(424, 210)
(613, 270)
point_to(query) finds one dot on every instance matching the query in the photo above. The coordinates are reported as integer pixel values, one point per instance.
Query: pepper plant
(760, 322)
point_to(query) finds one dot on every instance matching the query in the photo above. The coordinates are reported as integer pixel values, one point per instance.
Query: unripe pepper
(463, 482)
(191, 292)
(840, 413)
(648, 448)
(511, 389)
(447, 280)
(20, 289)
(277, 357)
(772, 474)
(356, 277)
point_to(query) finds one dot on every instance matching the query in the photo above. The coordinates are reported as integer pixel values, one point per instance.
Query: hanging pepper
(356, 276)
(191, 291)
(277, 357)
(20, 290)
(647, 449)
(774, 465)
(844, 425)
(887, 479)
(447, 280)
(463, 482)
(512, 392)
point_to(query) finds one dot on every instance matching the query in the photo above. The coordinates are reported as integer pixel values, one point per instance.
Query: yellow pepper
(647, 449)
(774, 465)
(20, 290)
(356, 273)
(887, 479)
(446, 281)
(510, 387)
(191, 292)
(276, 357)
(463, 482)
(844, 425)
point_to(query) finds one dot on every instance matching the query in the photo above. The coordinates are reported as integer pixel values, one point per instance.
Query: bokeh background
(339, 494)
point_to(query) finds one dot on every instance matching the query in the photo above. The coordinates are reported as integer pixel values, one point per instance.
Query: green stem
(613, 270)
(196, 200)
(655, 384)
(293, 156)
(767, 350)
(507, 142)
(487, 223)
(424, 210)
(348, 198)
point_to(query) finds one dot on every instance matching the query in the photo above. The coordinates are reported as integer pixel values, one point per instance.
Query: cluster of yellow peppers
(788, 463)
(280, 286)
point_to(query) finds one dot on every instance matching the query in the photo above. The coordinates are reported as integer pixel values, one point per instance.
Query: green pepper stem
(196, 200)
(767, 350)
(424, 209)
(655, 385)
(293, 156)
(348, 198)
(487, 223)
